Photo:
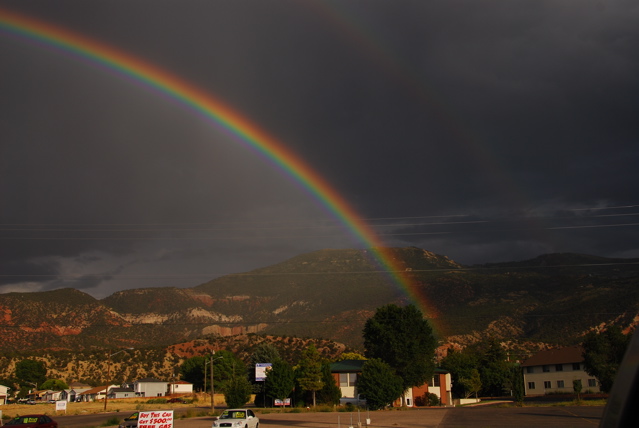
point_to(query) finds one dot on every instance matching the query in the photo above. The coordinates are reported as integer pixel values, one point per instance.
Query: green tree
(493, 367)
(517, 384)
(350, 356)
(192, 370)
(401, 337)
(310, 372)
(280, 380)
(603, 353)
(379, 384)
(263, 353)
(471, 384)
(29, 372)
(576, 386)
(226, 367)
(238, 392)
(460, 364)
(54, 385)
(12, 383)
(330, 392)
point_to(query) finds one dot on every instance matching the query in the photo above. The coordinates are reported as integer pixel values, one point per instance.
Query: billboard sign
(260, 371)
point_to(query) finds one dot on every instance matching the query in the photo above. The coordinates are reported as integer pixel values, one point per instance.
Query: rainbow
(226, 118)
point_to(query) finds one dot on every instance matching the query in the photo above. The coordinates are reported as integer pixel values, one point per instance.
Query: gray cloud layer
(513, 121)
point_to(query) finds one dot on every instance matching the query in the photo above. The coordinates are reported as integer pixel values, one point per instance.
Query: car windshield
(23, 420)
(235, 414)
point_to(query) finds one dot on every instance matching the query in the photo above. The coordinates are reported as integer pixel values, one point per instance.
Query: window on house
(436, 380)
(559, 367)
(592, 383)
(347, 379)
(343, 379)
(547, 384)
(575, 366)
(560, 384)
(529, 370)
(546, 369)
(531, 385)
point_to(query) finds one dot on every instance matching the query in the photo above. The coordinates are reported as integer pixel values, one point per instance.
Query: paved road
(523, 417)
(484, 417)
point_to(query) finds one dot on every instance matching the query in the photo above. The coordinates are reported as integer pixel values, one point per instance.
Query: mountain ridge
(329, 294)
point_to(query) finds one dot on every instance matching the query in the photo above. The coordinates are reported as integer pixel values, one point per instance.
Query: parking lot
(485, 417)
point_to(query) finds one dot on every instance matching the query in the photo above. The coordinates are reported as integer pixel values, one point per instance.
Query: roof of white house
(570, 354)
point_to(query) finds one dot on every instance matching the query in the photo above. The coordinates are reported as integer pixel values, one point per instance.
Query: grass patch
(111, 422)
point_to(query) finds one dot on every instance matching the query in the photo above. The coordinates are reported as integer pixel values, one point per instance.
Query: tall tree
(401, 337)
(517, 384)
(379, 384)
(238, 392)
(226, 367)
(263, 353)
(54, 385)
(29, 372)
(460, 365)
(494, 368)
(280, 380)
(310, 372)
(603, 353)
(471, 384)
(192, 370)
(330, 392)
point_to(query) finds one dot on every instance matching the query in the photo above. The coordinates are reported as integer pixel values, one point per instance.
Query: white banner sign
(158, 419)
(61, 405)
(286, 402)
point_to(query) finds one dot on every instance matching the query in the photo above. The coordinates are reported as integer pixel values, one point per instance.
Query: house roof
(347, 366)
(113, 390)
(570, 354)
(180, 382)
(150, 380)
(96, 390)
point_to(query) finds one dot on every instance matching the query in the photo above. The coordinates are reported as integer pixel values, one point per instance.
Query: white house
(74, 393)
(150, 387)
(4, 394)
(554, 370)
(121, 393)
(51, 395)
(180, 387)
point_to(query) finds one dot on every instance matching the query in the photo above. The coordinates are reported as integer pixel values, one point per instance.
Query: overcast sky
(485, 131)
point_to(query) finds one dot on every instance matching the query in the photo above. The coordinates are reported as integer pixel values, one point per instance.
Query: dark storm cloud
(512, 121)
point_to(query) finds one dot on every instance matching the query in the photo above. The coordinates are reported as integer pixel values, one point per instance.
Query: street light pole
(212, 385)
(106, 392)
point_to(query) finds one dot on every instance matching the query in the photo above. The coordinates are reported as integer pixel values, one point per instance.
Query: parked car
(130, 421)
(32, 421)
(237, 418)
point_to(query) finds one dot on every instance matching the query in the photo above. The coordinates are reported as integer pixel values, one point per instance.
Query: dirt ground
(123, 406)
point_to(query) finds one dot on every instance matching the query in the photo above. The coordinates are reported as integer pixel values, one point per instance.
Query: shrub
(433, 399)
(111, 421)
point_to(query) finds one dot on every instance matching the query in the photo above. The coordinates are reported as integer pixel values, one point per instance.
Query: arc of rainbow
(223, 116)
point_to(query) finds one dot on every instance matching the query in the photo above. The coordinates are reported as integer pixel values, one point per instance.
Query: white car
(237, 418)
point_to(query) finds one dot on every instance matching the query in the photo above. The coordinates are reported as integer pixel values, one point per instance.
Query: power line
(454, 270)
